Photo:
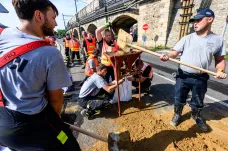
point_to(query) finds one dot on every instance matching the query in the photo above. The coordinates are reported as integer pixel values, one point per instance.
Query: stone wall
(155, 13)
(220, 8)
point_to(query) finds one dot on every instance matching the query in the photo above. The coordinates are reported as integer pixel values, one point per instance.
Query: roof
(3, 9)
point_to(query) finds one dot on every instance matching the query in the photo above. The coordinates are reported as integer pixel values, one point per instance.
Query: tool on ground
(112, 140)
(124, 40)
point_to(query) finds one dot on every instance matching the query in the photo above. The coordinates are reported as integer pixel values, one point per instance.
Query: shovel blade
(123, 39)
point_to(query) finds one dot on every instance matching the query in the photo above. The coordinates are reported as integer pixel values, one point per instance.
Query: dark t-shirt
(85, 45)
(100, 44)
(146, 73)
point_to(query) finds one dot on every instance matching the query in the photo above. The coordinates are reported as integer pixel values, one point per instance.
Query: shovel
(124, 40)
(113, 139)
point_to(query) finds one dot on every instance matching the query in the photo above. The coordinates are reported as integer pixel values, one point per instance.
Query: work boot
(177, 115)
(198, 119)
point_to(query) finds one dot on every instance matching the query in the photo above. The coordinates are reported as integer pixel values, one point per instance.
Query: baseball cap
(203, 13)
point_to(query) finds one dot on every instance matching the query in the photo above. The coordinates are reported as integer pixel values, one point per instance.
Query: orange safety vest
(74, 45)
(145, 65)
(67, 43)
(107, 48)
(90, 45)
(88, 70)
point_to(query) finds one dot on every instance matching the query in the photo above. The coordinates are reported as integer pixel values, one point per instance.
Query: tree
(60, 33)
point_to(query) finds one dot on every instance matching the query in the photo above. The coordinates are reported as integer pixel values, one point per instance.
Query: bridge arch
(125, 22)
(92, 28)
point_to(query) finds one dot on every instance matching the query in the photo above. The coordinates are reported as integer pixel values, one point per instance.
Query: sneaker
(87, 113)
(175, 120)
(83, 112)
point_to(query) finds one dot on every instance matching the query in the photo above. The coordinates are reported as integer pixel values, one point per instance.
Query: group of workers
(31, 82)
(72, 47)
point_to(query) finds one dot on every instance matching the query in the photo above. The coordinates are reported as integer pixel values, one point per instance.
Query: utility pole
(77, 19)
(64, 22)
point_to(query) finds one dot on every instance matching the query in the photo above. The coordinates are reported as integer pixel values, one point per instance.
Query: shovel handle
(173, 60)
(83, 131)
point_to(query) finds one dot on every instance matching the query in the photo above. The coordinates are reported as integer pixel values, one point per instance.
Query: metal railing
(96, 9)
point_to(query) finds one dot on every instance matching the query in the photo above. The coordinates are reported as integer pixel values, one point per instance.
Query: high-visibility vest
(67, 43)
(90, 46)
(107, 48)
(145, 65)
(74, 45)
(88, 70)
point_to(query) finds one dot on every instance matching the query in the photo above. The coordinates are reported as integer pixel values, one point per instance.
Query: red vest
(90, 46)
(74, 45)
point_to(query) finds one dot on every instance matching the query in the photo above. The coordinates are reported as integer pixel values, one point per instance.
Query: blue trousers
(186, 82)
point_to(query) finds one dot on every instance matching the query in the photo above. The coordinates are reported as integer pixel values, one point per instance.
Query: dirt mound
(151, 131)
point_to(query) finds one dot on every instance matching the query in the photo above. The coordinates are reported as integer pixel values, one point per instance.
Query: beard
(47, 31)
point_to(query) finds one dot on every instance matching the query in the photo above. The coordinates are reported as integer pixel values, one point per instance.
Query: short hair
(74, 36)
(67, 34)
(101, 67)
(107, 30)
(25, 8)
(138, 62)
(96, 51)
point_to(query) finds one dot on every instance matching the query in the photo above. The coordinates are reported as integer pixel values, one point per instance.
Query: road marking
(207, 96)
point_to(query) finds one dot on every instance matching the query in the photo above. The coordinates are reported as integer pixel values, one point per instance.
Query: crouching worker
(146, 76)
(91, 65)
(96, 93)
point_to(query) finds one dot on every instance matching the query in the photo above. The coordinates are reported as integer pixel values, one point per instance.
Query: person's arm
(112, 86)
(55, 82)
(178, 48)
(99, 30)
(141, 79)
(84, 47)
(220, 65)
(55, 99)
(173, 54)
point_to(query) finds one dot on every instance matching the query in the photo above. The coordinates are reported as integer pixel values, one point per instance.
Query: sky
(66, 7)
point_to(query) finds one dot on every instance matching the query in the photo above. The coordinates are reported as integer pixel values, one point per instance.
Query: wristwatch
(221, 70)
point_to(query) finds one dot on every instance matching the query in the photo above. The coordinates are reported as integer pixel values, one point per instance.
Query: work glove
(108, 24)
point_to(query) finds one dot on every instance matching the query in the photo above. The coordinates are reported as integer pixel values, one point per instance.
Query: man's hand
(131, 78)
(220, 75)
(164, 57)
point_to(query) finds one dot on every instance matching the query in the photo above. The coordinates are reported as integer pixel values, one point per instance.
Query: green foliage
(60, 33)
(159, 48)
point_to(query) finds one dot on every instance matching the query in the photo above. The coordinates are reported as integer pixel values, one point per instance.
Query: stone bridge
(167, 19)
